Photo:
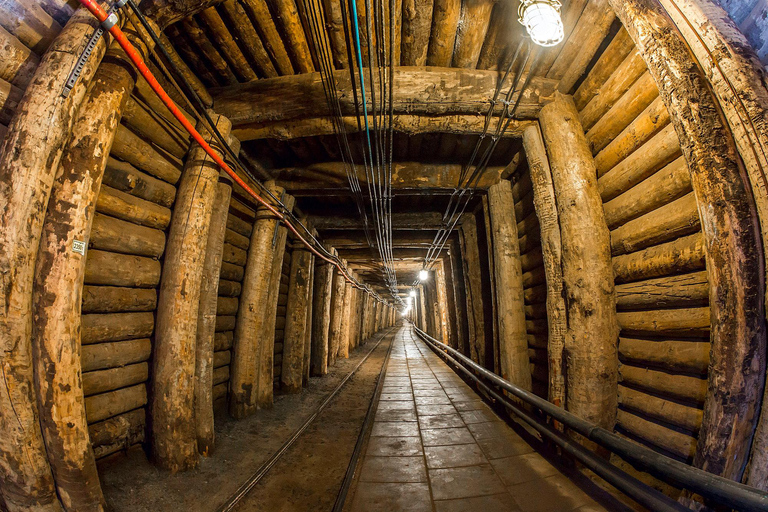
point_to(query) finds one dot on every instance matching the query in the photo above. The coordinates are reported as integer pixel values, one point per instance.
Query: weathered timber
(673, 220)
(343, 352)
(229, 288)
(210, 306)
(121, 205)
(445, 21)
(114, 299)
(225, 323)
(472, 29)
(686, 290)
(513, 345)
(223, 340)
(299, 299)
(99, 356)
(682, 255)
(115, 235)
(666, 185)
(416, 27)
(131, 148)
(113, 269)
(102, 381)
(688, 389)
(116, 326)
(234, 238)
(614, 88)
(155, 127)
(222, 358)
(117, 433)
(18, 61)
(221, 35)
(666, 322)
(105, 405)
(234, 255)
(126, 178)
(337, 317)
(192, 29)
(473, 286)
(590, 342)
(31, 24)
(613, 55)
(231, 272)
(690, 356)
(677, 443)
(683, 416)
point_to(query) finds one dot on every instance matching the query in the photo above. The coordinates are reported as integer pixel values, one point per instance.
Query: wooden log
(536, 311)
(240, 226)
(590, 343)
(321, 317)
(686, 290)
(221, 375)
(472, 29)
(30, 23)
(473, 286)
(115, 235)
(102, 381)
(692, 390)
(682, 416)
(666, 322)
(445, 21)
(536, 295)
(131, 148)
(155, 128)
(684, 356)
(309, 322)
(116, 326)
(682, 255)
(223, 340)
(653, 119)
(174, 438)
(334, 21)
(234, 255)
(513, 344)
(613, 55)
(27, 173)
(121, 205)
(642, 93)
(124, 177)
(231, 272)
(532, 259)
(18, 61)
(225, 323)
(293, 31)
(258, 11)
(117, 433)
(186, 72)
(673, 220)
(248, 348)
(106, 405)
(613, 89)
(10, 96)
(113, 299)
(663, 148)
(676, 443)
(337, 316)
(220, 391)
(343, 352)
(229, 288)
(534, 277)
(210, 305)
(234, 238)
(221, 358)
(299, 300)
(221, 35)
(112, 269)
(194, 31)
(666, 185)
(99, 356)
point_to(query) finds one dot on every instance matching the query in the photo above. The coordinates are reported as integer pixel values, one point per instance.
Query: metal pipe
(716, 488)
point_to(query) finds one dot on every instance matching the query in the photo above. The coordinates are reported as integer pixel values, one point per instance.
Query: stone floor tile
(394, 446)
(447, 436)
(395, 396)
(552, 494)
(493, 503)
(429, 392)
(426, 385)
(443, 421)
(464, 482)
(385, 497)
(433, 400)
(395, 416)
(394, 429)
(396, 389)
(469, 405)
(396, 405)
(435, 409)
(479, 416)
(393, 469)
(523, 468)
(454, 456)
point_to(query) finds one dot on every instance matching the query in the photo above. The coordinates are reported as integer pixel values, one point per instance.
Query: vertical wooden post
(450, 302)
(251, 314)
(354, 319)
(591, 342)
(473, 286)
(735, 265)
(508, 274)
(321, 317)
(546, 211)
(308, 321)
(299, 300)
(206, 320)
(337, 317)
(30, 158)
(59, 273)
(174, 437)
(346, 321)
(462, 320)
(422, 309)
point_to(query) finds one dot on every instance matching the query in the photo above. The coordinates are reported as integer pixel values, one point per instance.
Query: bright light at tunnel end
(413, 293)
(541, 19)
(423, 275)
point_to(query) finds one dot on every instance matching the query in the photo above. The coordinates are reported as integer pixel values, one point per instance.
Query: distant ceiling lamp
(413, 293)
(541, 19)
(423, 275)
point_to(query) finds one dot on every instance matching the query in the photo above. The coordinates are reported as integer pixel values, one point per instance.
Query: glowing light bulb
(413, 294)
(423, 275)
(541, 19)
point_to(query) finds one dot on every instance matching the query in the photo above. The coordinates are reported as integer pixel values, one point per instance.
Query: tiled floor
(435, 446)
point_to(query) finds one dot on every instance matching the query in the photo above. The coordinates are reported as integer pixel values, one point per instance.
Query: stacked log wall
(534, 285)
(282, 303)
(657, 248)
(122, 274)
(236, 242)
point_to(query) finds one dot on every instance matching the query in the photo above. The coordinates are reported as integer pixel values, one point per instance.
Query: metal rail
(713, 487)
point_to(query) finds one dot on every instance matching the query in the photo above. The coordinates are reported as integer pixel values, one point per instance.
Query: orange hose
(135, 57)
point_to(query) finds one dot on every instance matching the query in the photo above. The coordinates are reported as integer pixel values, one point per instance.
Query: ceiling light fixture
(413, 293)
(541, 19)
(423, 275)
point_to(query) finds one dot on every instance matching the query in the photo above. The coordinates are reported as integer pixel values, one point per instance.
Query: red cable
(135, 57)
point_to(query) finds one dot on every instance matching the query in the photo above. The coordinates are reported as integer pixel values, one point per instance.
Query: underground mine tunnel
(383, 255)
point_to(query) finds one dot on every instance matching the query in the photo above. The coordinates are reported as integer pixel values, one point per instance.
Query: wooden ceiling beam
(400, 221)
(418, 90)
